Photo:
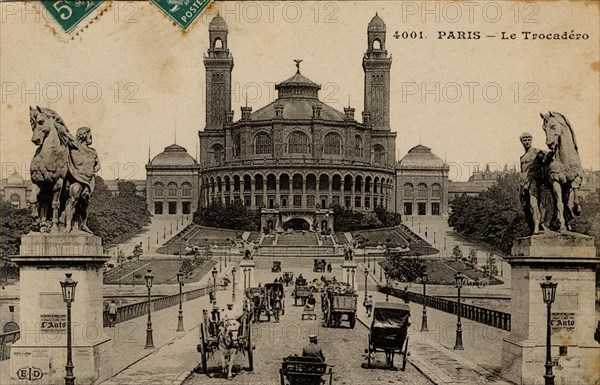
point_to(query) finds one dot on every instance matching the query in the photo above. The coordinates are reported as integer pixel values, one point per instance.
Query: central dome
(421, 156)
(298, 86)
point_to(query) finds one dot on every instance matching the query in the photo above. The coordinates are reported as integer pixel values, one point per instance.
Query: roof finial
(246, 99)
(175, 134)
(348, 100)
(298, 61)
(148, 150)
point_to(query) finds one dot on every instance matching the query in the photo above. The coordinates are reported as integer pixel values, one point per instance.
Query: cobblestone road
(343, 347)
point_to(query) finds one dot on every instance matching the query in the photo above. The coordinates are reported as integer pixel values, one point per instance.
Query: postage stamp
(70, 14)
(182, 12)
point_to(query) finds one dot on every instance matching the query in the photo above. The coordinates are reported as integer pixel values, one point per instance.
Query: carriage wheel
(250, 348)
(352, 318)
(203, 352)
(404, 353)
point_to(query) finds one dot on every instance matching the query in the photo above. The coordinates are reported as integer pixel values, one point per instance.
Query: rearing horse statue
(62, 170)
(564, 167)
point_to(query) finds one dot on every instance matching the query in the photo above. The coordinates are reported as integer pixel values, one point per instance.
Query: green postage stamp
(182, 12)
(70, 14)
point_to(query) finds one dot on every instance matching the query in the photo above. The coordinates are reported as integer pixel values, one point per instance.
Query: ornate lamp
(549, 294)
(233, 284)
(68, 291)
(149, 277)
(459, 281)
(424, 279)
(214, 273)
(387, 283)
(366, 277)
(180, 279)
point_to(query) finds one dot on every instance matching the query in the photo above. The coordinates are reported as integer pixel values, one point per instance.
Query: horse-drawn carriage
(288, 278)
(262, 299)
(276, 267)
(305, 371)
(339, 300)
(227, 338)
(389, 332)
(319, 265)
(301, 292)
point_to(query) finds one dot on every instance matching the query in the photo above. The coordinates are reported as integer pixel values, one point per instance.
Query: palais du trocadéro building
(296, 157)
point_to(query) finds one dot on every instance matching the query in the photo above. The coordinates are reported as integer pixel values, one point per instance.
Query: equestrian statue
(63, 172)
(552, 178)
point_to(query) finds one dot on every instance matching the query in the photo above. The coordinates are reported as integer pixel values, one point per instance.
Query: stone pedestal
(571, 260)
(247, 266)
(41, 352)
(350, 273)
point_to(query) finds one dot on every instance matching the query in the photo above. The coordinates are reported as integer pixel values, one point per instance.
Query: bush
(234, 216)
(345, 219)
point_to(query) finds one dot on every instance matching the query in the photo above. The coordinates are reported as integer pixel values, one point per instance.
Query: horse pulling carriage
(305, 371)
(263, 300)
(389, 332)
(226, 337)
(288, 278)
(319, 265)
(339, 300)
(301, 292)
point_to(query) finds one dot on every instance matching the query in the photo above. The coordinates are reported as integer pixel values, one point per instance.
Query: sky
(137, 80)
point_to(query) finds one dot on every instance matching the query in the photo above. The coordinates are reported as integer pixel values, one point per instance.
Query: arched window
(376, 44)
(378, 154)
(422, 190)
(298, 143)
(332, 144)
(218, 44)
(186, 189)
(263, 144)
(236, 146)
(436, 191)
(15, 201)
(218, 153)
(358, 146)
(408, 190)
(158, 190)
(172, 189)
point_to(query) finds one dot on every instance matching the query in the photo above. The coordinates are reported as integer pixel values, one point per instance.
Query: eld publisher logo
(30, 373)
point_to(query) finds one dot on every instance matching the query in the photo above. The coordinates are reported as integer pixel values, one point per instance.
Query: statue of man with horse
(63, 171)
(556, 174)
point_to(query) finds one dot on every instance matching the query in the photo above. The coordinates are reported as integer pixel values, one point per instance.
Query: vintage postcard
(300, 192)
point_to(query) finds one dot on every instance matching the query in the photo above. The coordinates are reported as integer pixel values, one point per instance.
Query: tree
(472, 261)
(494, 216)
(404, 269)
(491, 267)
(117, 218)
(15, 224)
(233, 216)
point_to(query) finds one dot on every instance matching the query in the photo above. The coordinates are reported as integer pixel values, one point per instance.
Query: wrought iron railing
(479, 314)
(134, 310)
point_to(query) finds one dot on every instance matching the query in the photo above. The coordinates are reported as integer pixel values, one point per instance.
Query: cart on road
(301, 293)
(296, 370)
(337, 301)
(389, 331)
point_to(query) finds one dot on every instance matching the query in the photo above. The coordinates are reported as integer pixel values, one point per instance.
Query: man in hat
(228, 313)
(313, 349)
(369, 305)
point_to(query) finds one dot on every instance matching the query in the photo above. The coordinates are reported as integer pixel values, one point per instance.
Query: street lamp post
(387, 284)
(214, 275)
(233, 284)
(549, 292)
(353, 272)
(180, 278)
(424, 278)
(149, 277)
(220, 262)
(366, 277)
(68, 292)
(458, 345)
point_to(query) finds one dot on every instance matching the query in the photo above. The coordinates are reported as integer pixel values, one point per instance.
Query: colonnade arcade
(358, 191)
